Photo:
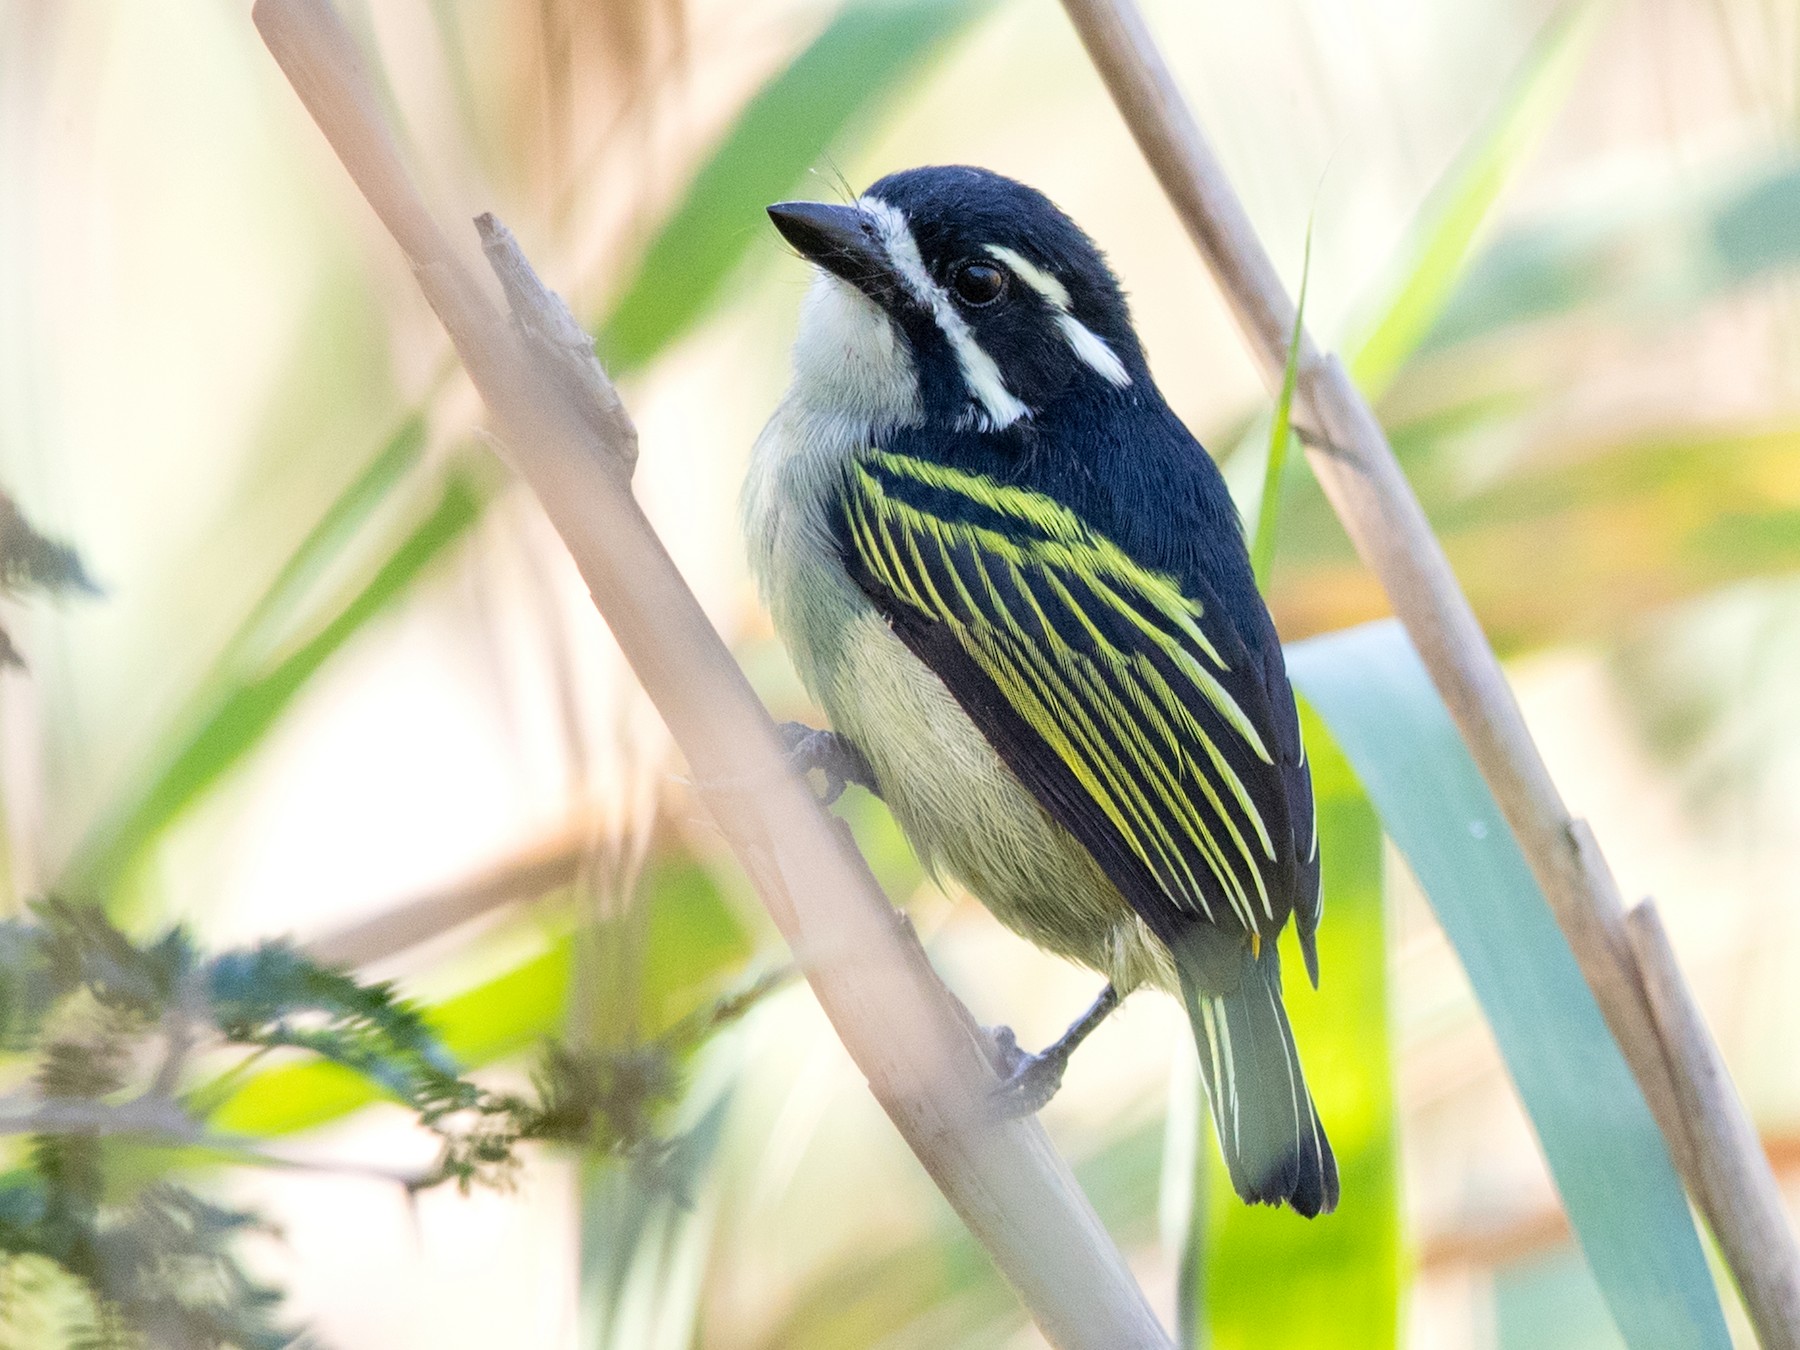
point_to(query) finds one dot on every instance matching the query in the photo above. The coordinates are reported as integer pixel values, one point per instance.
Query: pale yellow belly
(969, 818)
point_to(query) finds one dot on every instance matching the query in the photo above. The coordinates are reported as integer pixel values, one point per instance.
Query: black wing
(1117, 694)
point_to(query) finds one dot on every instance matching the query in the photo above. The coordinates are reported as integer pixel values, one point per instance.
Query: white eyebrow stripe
(979, 372)
(1033, 276)
(1084, 341)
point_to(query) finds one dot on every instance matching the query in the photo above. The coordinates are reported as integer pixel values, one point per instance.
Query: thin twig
(180, 1023)
(149, 1114)
(535, 870)
(566, 434)
(156, 1117)
(1370, 493)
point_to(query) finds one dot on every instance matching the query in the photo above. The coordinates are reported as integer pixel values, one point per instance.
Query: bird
(1018, 587)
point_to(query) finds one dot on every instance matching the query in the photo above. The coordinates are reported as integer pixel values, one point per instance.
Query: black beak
(841, 239)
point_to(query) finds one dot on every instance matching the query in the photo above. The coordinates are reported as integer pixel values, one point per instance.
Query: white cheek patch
(998, 407)
(1088, 345)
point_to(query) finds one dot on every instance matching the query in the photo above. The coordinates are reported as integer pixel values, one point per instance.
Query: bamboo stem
(1356, 466)
(1731, 1154)
(567, 435)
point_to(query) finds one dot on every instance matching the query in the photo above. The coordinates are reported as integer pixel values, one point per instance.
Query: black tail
(1274, 1146)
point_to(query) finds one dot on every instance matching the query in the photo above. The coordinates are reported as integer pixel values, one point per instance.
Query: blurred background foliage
(343, 684)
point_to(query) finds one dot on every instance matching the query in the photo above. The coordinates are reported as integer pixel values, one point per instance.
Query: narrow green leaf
(1445, 234)
(860, 58)
(1605, 1154)
(1262, 551)
(333, 532)
(1548, 1302)
(243, 706)
(1339, 1278)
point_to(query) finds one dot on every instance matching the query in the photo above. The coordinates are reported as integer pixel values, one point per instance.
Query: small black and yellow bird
(1019, 589)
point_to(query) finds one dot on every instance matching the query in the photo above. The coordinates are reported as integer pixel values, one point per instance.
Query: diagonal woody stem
(564, 430)
(1354, 463)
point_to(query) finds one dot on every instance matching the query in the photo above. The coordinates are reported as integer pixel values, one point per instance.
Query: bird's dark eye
(978, 283)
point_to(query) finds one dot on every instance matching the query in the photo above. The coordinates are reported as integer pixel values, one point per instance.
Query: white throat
(850, 362)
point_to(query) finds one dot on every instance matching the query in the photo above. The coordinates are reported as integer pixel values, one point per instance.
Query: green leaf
(1436, 256)
(327, 541)
(1339, 1278)
(860, 58)
(1605, 1153)
(239, 706)
(1444, 235)
(1549, 1302)
(1262, 551)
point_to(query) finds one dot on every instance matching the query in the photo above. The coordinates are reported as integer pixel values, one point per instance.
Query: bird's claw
(1027, 1081)
(837, 759)
(1004, 1050)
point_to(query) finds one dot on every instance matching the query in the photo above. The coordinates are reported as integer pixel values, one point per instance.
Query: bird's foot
(1027, 1081)
(831, 754)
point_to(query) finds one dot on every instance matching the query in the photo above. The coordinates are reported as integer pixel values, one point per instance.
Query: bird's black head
(959, 298)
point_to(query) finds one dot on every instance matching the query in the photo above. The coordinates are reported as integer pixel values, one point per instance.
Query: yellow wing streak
(1084, 555)
(1168, 702)
(1181, 806)
(1157, 711)
(1130, 678)
(944, 542)
(1028, 659)
(1048, 697)
(1063, 526)
(1112, 717)
(1096, 757)
(1128, 808)
(880, 551)
(937, 599)
(1033, 508)
(1203, 679)
(1035, 705)
(1023, 690)
(1154, 768)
